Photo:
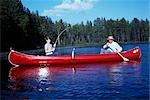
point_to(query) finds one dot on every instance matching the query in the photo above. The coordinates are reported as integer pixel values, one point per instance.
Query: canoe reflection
(42, 78)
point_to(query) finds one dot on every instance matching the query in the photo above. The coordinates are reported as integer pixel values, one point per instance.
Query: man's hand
(107, 44)
(116, 51)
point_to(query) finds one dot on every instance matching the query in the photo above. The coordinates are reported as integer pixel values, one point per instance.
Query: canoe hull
(17, 58)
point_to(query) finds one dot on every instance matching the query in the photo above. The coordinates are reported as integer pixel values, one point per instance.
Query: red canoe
(17, 58)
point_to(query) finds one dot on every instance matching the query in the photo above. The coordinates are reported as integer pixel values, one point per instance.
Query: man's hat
(110, 38)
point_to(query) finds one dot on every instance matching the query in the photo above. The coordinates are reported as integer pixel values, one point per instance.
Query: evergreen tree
(23, 29)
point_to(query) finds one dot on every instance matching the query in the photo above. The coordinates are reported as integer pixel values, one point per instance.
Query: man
(49, 48)
(111, 46)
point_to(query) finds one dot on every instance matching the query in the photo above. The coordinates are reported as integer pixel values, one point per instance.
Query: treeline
(22, 29)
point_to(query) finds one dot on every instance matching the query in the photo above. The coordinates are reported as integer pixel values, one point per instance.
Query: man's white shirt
(113, 47)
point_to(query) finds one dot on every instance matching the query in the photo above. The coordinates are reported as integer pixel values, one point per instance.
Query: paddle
(124, 58)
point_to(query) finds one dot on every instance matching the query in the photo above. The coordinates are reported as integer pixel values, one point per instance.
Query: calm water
(113, 80)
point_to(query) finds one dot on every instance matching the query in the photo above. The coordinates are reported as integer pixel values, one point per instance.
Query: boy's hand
(54, 45)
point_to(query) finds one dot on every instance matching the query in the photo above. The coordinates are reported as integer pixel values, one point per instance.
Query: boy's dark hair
(46, 37)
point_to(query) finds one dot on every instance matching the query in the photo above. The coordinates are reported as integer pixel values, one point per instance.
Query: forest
(23, 29)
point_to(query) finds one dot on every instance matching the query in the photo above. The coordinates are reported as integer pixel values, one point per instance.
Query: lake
(96, 81)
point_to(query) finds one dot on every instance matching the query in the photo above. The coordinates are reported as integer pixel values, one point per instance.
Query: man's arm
(105, 46)
(118, 47)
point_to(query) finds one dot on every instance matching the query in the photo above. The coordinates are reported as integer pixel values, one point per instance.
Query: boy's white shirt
(49, 49)
(113, 47)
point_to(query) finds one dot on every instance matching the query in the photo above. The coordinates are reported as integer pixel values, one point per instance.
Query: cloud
(76, 5)
(55, 12)
(70, 5)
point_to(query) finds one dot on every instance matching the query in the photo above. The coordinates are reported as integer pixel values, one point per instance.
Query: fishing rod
(60, 34)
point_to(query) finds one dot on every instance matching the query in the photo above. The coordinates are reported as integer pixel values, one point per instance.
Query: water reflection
(44, 79)
(49, 78)
(43, 72)
(116, 76)
(118, 73)
(36, 77)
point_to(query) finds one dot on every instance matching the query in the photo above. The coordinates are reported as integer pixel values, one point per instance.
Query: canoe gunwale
(82, 58)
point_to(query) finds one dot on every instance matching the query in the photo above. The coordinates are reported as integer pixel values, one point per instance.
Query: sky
(76, 11)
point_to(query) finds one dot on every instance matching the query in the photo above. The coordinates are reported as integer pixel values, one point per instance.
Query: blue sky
(75, 11)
